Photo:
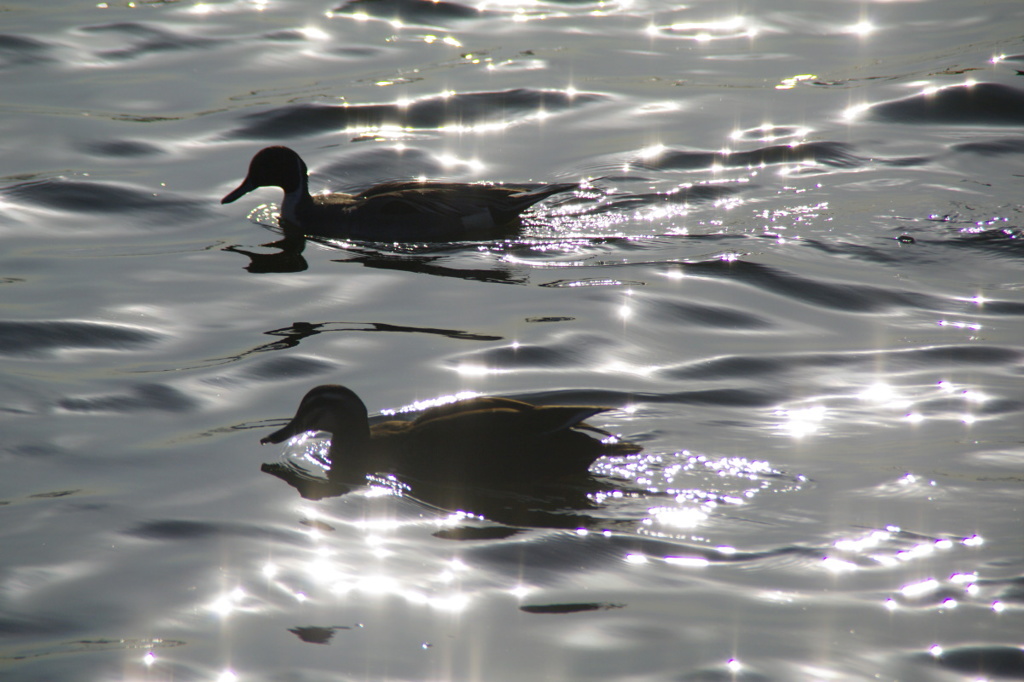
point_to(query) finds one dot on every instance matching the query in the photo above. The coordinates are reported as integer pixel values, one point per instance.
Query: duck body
(392, 211)
(487, 441)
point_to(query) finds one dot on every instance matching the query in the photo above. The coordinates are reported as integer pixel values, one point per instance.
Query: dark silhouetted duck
(393, 211)
(486, 441)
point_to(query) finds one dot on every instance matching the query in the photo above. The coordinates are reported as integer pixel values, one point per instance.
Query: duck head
(272, 167)
(330, 408)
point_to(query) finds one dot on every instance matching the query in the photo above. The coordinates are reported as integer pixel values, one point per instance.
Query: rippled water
(795, 269)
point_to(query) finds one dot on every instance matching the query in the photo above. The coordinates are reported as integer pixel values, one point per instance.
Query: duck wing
(495, 442)
(454, 200)
(470, 405)
(424, 186)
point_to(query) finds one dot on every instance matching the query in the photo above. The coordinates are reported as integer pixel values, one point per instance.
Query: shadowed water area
(793, 268)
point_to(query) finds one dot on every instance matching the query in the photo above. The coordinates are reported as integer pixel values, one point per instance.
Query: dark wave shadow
(121, 149)
(21, 51)
(466, 109)
(44, 337)
(833, 154)
(416, 12)
(208, 531)
(848, 297)
(981, 104)
(765, 367)
(998, 147)
(1002, 240)
(139, 398)
(987, 660)
(78, 196)
(707, 316)
(149, 40)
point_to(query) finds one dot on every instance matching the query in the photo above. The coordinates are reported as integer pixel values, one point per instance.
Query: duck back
(493, 441)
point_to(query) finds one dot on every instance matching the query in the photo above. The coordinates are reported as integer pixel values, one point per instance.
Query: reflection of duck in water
(393, 211)
(480, 442)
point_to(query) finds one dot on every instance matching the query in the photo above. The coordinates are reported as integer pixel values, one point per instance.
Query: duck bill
(281, 435)
(238, 192)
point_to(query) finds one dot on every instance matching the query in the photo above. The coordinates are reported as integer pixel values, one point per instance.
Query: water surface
(794, 267)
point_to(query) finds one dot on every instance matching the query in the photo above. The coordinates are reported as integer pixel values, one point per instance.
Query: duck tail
(531, 197)
(554, 418)
(612, 444)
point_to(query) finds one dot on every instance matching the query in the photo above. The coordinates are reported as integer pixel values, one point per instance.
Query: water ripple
(979, 104)
(81, 196)
(43, 337)
(462, 110)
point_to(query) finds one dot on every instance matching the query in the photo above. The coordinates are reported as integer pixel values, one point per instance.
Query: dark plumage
(392, 211)
(487, 441)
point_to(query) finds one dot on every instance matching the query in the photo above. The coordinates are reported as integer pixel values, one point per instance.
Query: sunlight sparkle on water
(834, 565)
(520, 591)
(453, 603)
(854, 111)
(802, 421)
(314, 33)
(686, 517)
(449, 40)
(705, 31)
(651, 152)
(378, 584)
(959, 324)
(919, 589)
(450, 160)
(470, 369)
(228, 603)
(792, 81)
(918, 551)
(227, 676)
(885, 395)
(861, 28)
(858, 545)
(149, 659)
(688, 561)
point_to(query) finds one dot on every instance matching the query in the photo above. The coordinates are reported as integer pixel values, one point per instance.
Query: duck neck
(296, 195)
